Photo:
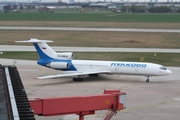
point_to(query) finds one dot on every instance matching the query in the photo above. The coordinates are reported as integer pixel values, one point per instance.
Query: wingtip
(13, 41)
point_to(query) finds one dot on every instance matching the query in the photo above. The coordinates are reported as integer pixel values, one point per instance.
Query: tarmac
(157, 100)
(90, 29)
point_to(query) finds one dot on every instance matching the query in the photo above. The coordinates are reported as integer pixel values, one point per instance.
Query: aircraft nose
(168, 72)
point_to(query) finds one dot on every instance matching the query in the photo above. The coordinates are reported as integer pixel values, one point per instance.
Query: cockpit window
(163, 68)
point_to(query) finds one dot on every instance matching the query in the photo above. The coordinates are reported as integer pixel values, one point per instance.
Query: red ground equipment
(113, 100)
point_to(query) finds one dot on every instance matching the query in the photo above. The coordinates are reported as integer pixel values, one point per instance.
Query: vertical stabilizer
(43, 49)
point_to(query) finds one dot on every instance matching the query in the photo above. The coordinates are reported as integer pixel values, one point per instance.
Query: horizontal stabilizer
(34, 40)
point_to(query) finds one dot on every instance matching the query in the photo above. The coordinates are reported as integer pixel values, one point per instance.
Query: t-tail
(46, 52)
(50, 58)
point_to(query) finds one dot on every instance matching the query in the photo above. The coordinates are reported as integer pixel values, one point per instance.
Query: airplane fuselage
(113, 67)
(118, 67)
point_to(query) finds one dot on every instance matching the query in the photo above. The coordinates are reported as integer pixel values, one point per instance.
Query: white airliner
(64, 62)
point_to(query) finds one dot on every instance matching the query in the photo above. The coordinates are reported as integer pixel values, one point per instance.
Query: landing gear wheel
(93, 75)
(96, 75)
(74, 79)
(147, 80)
(78, 79)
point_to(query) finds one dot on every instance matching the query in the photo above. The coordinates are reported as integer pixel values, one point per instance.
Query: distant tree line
(142, 9)
(9, 7)
(134, 8)
(162, 9)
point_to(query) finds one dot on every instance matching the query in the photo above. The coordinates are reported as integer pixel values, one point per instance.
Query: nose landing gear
(147, 80)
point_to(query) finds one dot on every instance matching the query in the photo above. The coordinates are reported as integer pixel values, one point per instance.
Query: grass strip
(90, 17)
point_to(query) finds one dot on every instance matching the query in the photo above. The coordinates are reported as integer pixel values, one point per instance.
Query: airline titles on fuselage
(128, 65)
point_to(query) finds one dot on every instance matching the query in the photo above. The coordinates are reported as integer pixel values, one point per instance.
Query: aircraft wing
(73, 73)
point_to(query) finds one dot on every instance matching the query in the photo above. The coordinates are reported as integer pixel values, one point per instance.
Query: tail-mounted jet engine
(59, 65)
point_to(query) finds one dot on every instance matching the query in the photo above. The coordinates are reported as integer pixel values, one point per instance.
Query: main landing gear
(93, 75)
(79, 78)
(147, 80)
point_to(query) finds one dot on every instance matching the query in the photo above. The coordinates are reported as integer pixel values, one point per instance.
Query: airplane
(64, 61)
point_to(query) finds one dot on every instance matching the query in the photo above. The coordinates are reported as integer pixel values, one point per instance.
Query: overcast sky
(84, 0)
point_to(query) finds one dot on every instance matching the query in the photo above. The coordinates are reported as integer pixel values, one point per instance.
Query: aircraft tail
(50, 58)
(43, 49)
